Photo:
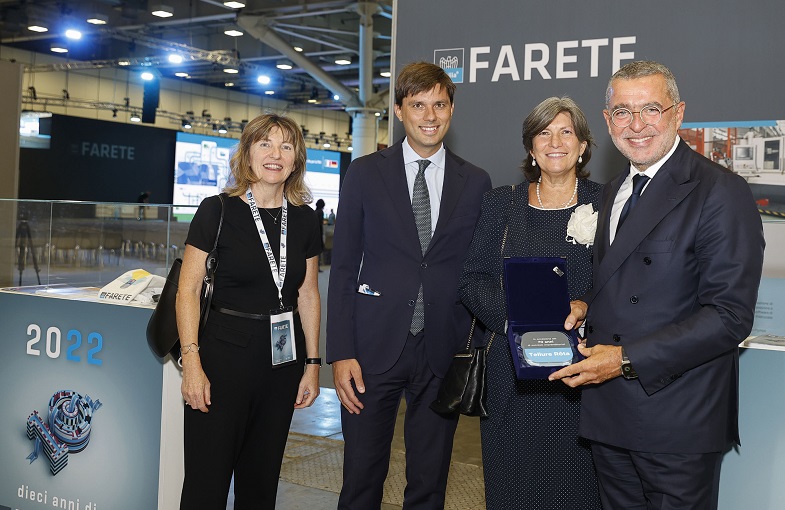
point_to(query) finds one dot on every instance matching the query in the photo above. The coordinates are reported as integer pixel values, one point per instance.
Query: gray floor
(323, 420)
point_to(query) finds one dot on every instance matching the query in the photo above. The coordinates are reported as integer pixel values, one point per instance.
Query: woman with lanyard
(257, 357)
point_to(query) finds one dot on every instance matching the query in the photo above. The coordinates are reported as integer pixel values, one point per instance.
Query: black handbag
(463, 389)
(162, 335)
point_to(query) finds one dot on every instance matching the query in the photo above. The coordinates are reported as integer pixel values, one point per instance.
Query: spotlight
(33, 93)
(233, 32)
(66, 95)
(284, 64)
(114, 113)
(229, 84)
(37, 26)
(124, 62)
(385, 73)
(263, 79)
(326, 145)
(58, 48)
(297, 49)
(343, 60)
(234, 5)
(186, 124)
(73, 34)
(175, 58)
(336, 97)
(147, 76)
(181, 75)
(231, 70)
(162, 11)
(206, 114)
(222, 130)
(269, 92)
(135, 118)
(98, 19)
(215, 127)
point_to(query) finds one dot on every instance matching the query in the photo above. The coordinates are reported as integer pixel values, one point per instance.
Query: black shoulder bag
(162, 332)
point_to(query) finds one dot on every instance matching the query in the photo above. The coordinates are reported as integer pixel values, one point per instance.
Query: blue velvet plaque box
(537, 305)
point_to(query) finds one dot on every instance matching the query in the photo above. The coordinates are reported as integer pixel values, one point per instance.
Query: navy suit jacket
(376, 243)
(677, 289)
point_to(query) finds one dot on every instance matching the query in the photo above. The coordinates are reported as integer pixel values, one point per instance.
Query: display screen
(743, 152)
(35, 130)
(202, 169)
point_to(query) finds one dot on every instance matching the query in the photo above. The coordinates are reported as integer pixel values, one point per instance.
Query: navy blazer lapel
(454, 180)
(669, 187)
(393, 175)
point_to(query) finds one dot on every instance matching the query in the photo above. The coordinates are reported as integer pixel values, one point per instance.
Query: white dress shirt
(434, 177)
(625, 191)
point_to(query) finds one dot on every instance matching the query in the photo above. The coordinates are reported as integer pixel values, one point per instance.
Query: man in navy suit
(678, 255)
(394, 319)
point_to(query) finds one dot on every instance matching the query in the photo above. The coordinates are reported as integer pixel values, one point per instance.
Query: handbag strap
(501, 250)
(210, 264)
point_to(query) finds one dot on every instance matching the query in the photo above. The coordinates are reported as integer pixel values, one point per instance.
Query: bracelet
(313, 361)
(189, 348)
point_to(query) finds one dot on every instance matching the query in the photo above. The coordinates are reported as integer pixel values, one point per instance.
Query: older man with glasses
(677, 262)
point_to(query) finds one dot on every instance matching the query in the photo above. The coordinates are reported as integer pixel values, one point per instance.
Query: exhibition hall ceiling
(214, 42)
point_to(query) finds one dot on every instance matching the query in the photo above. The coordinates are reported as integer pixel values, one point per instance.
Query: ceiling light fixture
(234, 5)
(336, 97)
(269, 92)
(343, 60)
(175, 58)
(231, 70)
(297, 49)
(229, 84)
(385, 73)
(58, 48)
(162, 11)
(233, 32)
(147, 76)
(186, 124)
(98, 19)
(37, 27)
(181, 74)
(326, 145)
(135, 118)
(124, 62)
(72, 33)
(263, 79)
(284, 64)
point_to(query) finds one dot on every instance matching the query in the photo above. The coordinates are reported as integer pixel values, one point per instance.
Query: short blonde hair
(295, 189)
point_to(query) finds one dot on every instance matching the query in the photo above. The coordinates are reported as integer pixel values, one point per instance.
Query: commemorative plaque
(537, 305)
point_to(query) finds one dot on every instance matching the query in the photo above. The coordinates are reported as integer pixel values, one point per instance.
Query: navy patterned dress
(533, 458)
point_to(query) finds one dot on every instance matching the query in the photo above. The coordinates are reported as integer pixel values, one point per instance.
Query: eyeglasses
(650, 115)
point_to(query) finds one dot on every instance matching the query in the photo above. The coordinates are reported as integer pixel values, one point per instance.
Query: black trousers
(244, 433)
(631, 480)
(368, 435)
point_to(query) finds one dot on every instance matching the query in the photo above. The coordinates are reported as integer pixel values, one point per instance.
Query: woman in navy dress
(532, 455)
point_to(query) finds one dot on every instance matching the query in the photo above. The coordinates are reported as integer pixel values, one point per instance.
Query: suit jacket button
(590, 329)
(616, 338)
(646, 260)
(634, 300)
(411, 302)
(424, 265)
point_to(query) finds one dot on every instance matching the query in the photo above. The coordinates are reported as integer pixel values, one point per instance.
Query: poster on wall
(81, 416)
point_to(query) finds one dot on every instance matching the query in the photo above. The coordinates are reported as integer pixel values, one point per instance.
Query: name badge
(282, 345)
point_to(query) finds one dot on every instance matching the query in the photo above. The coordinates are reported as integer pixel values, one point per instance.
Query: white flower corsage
(582, 225)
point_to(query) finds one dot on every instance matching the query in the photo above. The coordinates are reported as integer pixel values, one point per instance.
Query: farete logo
(547, 61)
(451, 61)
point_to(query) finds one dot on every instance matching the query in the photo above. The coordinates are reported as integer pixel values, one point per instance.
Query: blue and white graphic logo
(67, 429)
(451, 61)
